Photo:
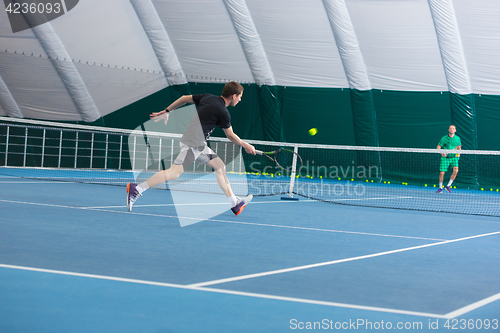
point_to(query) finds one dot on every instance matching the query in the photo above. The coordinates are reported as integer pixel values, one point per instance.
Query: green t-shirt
(450, 143)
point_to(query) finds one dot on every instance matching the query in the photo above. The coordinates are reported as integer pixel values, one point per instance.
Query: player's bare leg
(221, 176)
(452, 179)
(165, 175)
(237, 204)
(134, 191)
(441, 177)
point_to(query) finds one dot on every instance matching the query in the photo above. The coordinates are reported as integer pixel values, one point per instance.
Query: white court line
(33, 182)
(223, 291)
(222, 221)
(450, 315)
(473, 306)
(363, 199)
(330, 230)
(333, 262)
(200, 204)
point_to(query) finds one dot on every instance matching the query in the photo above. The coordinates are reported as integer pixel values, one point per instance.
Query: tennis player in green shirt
(449, 142)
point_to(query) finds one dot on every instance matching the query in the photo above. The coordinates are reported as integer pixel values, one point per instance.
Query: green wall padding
(364, 117)
(411, 119)
(270, 113)
(487, 121)
(328, 110)
(487, 125)
(463, 115)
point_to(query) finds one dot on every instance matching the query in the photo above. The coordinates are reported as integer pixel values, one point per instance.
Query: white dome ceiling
(105, 54)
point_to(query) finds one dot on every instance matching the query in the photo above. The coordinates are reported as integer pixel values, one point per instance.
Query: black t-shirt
(211, 112)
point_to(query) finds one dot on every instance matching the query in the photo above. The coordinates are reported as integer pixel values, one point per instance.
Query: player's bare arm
(237, 141)
(177, 104)
(442, 154)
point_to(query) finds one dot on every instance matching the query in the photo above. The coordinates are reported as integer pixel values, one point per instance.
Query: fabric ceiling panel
(120, 48)
(399, 44)
(130, 55)
(205, 40)
(479, 27)
(23, 41)
(37, 88)
(299, 43)
(114, 37)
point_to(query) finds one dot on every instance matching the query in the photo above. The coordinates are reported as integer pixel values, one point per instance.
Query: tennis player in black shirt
(211, 112)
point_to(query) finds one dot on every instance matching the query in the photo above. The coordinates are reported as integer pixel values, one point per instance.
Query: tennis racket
(281, 154)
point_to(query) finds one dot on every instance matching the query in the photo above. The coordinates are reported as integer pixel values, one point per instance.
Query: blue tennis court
(72, 258)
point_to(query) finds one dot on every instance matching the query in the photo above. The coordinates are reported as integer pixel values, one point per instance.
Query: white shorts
(189, 154)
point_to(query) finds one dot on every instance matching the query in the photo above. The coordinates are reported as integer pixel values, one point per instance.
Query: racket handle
(259, 152)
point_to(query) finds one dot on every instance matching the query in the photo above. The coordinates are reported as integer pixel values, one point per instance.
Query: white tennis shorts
(189, 154)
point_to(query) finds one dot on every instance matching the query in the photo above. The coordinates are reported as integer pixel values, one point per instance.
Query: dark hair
(232, 88)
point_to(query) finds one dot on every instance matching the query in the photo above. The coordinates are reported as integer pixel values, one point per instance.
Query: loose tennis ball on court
(313, 131)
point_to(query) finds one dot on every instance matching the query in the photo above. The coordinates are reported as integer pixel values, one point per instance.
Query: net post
(60, 149)
(25, 146)
(225, 153)
(43, 147)
(294, 172)
(172, 153)
(91, 150)
(106, 152)
(241, 159)
(7, 145)
(232, 159)
(121, 152)
(76, 150)
(148, 147)
(159, 155)
(133, 153)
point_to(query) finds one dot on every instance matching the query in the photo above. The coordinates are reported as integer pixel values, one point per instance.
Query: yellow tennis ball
(313, 131)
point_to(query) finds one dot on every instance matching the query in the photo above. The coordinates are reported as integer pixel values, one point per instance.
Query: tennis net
(400, 178)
